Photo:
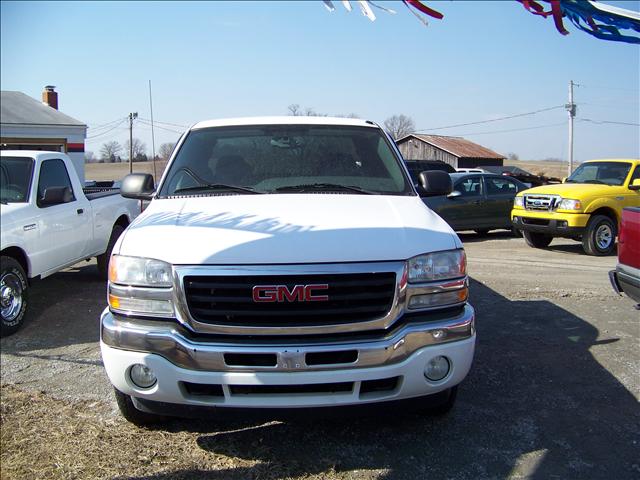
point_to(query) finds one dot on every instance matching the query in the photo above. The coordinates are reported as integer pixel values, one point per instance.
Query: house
(27, 124)
(456, 151)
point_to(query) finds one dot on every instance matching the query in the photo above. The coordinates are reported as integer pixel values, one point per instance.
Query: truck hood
(575, 190)
(291, 228)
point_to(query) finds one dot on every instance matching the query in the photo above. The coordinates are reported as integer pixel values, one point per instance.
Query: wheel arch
(607, 212)
(20, 256)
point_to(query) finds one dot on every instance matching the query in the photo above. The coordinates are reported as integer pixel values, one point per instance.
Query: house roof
(458, 146)
(20, 109)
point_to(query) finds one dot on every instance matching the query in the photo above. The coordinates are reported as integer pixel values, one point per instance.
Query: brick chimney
(50, 96)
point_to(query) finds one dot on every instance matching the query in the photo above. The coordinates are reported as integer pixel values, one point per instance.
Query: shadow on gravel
(535, 404)
(472, 237)
(64, 309)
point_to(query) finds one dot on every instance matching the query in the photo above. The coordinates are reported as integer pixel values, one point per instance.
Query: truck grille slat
(228, 300)
(543, 203)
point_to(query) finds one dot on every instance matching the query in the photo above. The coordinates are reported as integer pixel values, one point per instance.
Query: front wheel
(13, 295)
(103, 260)
(600, 236)
(537, 240)
(132, 414)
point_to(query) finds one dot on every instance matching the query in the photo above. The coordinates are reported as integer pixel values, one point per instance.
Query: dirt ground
(553, 392)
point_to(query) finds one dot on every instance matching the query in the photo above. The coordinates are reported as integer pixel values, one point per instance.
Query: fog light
(437, 368)
(142, 376)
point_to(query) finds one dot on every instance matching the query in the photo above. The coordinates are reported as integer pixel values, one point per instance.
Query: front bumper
(569, 225)
(626, 280)
(199, 374)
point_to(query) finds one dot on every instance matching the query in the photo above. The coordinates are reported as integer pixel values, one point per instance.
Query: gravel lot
(553, 392)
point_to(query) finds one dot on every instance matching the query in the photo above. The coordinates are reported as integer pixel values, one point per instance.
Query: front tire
(13, 295)
(537, 240)
(132, 414)
(599, 238)
(103, 260)
(446, 406)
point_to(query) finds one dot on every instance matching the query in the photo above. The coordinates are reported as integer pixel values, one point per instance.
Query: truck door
(499, 200)
(64, 228)
(465, 211)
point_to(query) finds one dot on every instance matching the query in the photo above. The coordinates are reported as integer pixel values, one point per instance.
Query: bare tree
(512, 156)
(110, 151)
(89, 157)
(294, 109)
(165, 150)
(399, 126)
(139, 148)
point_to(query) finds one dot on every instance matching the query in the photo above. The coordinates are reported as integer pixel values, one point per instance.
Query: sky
(206, 60)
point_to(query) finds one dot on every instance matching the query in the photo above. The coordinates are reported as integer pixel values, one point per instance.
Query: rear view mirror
(139, 186)
(435, 182)
(454, 194)
(55, 196)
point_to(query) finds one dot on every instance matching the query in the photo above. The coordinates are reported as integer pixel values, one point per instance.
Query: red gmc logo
(281, 293)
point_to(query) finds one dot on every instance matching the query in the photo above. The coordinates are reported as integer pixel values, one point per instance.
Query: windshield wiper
(220, 187)
(323, 187)
(596, 181)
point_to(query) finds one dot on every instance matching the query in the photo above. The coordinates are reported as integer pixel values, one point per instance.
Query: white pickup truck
(285, 263)
(49, 223)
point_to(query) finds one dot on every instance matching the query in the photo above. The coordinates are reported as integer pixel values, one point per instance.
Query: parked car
(525, 177)
(626, 277)
(285, 262)
(49, 223)
(479, 201)
(586, 208)
(470, 170)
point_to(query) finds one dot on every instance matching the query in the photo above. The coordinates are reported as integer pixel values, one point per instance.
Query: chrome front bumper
(170, 341)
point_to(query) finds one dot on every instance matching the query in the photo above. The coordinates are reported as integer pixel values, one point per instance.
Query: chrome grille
(541, 202)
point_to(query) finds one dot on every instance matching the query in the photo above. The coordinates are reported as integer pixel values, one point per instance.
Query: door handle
(80, 211)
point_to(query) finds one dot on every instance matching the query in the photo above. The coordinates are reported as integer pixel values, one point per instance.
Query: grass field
(117, 171)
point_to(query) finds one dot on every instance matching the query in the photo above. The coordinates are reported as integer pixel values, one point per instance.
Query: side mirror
(435, 182)
(139, 186)
(635, 185)
(55, 196)
(454, 194)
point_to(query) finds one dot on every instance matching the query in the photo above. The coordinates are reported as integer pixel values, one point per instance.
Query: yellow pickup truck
(586, 207)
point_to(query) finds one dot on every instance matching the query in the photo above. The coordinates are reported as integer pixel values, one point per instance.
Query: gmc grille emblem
(281, 293)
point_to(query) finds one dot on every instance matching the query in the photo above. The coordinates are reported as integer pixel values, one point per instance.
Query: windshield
(608, 173)
(15, 179)
(285, 159)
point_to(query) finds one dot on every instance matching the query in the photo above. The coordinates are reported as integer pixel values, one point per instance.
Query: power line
(107, 131)
(600, 122)
(97, 127)
(160, 127)
(510, 130)
(165, 123)
(492, 120)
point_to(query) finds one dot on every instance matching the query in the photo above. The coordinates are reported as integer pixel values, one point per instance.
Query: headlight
(437, 266)
(518, 202)
(144, 272)
(140, 286)
(569, 204)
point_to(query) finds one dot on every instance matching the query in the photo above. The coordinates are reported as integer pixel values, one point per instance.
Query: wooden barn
(456, 151)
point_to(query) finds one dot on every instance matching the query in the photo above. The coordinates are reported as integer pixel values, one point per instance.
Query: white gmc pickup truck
(48, 223)
(285, 263)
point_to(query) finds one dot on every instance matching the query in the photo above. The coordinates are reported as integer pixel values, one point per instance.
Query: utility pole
(132, 116)
(571, 108)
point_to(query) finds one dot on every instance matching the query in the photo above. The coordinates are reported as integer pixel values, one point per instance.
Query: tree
(165, 150)
(399, 126)
(89, 157)
(139, 149)
(110, 151)
(512, 156)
